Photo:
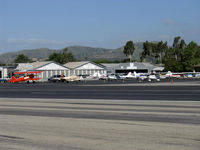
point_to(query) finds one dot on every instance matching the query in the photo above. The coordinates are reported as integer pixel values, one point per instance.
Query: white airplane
(143, 77)
(197, 75)
(153, 77)
(169, 74)
(95, 75)
(148, 77)
(130, 76)
(71, 78)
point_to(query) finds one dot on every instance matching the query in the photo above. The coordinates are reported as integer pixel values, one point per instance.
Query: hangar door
(131, 70)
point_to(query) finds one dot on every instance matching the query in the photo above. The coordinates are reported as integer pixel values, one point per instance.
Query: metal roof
(73, 65)
(31, 66)
(34, 65)
(133, 65)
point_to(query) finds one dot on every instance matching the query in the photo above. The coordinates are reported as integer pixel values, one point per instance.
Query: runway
(100, 116)
(181, 91)
(92, 124)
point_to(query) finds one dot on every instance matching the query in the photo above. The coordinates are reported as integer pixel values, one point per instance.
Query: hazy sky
(27, 24)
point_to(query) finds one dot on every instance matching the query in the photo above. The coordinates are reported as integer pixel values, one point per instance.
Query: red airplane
(29, 76)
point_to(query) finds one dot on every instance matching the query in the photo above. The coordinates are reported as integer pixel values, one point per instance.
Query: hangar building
(131, 67)
(48, 68)
(6, 71)
(3, 72)
(85, 68)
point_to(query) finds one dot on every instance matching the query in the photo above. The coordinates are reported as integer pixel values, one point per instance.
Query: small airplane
(169, 74)
(130, 76)
(71, 78)
(149, 77)
(96, 75)
(28, 76)
(153, 77)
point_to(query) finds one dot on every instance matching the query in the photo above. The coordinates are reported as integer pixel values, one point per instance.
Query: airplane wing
(33, 79)
(28, 72)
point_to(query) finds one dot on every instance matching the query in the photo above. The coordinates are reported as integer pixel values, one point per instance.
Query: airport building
(131, 67)
(3, 72)
(6, 71)
(48, 68)
(85, 68)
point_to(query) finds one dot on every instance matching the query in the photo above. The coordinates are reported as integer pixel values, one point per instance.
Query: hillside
(80, 53)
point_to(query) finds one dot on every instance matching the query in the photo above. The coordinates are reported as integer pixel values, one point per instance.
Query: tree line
(178, 57)
(61, 58)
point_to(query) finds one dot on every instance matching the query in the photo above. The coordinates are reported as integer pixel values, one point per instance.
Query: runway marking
(92, 93)
(106, 109)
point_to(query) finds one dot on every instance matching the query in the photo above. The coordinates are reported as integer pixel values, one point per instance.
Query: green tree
(190, 56)
(57, 57)
(106, 61)
(146, 51)
(70, 58)
(21, 58)
(170, 62)
(129, 49)
(63, 57)
(176, 58)
(178, 45)
(162, 48)
(67, 56)
(154, 50)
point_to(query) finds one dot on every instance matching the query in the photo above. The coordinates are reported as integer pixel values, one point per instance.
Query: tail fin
(129, 74)
(12, 79)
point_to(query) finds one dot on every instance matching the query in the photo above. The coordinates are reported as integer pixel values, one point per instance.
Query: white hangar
(48, 68)
(85, 68)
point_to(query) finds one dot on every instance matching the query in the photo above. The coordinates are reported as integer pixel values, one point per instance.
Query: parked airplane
(149, 77)
(197, 75)
(96, 75)
(71, 78)
(28, 76)
(169, 74)
(130, 76)
(153, 77)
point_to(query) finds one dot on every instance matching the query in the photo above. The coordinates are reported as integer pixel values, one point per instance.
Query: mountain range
(79, 52)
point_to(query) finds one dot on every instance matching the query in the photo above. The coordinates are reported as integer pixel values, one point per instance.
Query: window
(44, 74)
(66, 73)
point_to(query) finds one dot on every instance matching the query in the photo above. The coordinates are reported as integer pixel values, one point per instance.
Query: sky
(55, 24)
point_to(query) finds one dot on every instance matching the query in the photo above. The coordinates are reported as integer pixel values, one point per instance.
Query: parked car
(4, 80)
(103, 77)
(54, 78)
(112, 77)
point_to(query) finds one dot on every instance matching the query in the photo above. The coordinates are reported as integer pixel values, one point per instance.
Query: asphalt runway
(64, 124)
(180, 90)
(100, 115)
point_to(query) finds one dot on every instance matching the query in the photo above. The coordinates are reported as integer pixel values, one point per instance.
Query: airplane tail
(129, 74)
(12, 79)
